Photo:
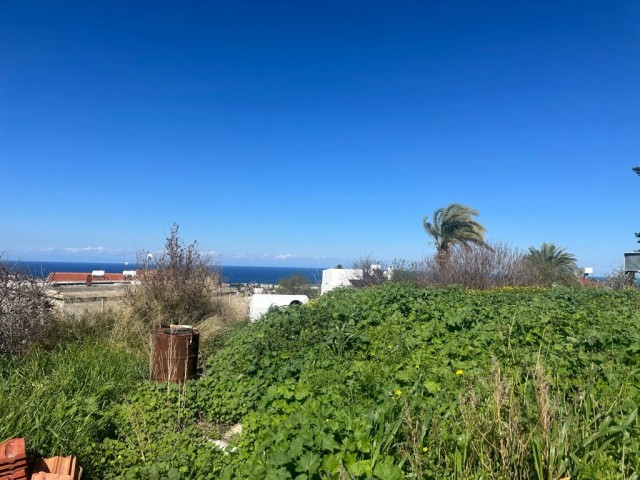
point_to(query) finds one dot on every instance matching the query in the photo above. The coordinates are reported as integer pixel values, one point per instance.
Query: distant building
(97, 277)
(261, 303)
(333, 278)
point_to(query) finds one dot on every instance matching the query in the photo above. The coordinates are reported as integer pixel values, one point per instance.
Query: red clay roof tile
(12, 451)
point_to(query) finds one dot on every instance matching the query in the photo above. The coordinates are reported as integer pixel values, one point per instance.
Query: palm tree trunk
(442, 259)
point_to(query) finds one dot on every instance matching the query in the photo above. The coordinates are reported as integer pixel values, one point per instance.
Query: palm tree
(453, 225)
(554, 264)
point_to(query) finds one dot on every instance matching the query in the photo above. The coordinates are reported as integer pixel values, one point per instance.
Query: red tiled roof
(82, 277)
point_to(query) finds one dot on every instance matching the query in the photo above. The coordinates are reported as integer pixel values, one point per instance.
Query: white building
(333, 278)
(261, 303)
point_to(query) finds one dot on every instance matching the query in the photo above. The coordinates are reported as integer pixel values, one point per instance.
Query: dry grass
(234, 310)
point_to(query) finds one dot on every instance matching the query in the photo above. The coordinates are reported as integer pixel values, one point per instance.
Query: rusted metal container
(175, 356)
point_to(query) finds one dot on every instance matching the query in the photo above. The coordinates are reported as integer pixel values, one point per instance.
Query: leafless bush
(618, 280)
(405, 271)
(182, 287)
(25, 309)
(478, 267)
(370, 271)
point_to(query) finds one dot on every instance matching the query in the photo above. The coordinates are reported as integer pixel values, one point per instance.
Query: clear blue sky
(310, 133)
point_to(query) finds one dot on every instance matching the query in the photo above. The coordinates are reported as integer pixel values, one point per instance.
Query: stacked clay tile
(13, 464)
(13, 460)
(56, 468)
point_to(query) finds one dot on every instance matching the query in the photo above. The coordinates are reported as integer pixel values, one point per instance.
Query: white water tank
(261, 303)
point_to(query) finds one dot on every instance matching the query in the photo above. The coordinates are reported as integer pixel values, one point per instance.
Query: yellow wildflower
(398, 392)
(459, 372)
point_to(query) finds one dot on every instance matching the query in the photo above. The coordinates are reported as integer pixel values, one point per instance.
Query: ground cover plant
(388, 382)
(401, 382)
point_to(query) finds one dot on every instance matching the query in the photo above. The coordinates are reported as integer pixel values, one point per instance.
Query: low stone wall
(78, 299)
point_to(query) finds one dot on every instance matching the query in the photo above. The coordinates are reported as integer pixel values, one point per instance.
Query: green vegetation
(491, 381)
(296, 285)
(453, 225)
(397, 381)
(553, 265)
(388, 382)
(60, 400)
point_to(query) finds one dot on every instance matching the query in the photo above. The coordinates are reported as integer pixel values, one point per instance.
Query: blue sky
(311, 133)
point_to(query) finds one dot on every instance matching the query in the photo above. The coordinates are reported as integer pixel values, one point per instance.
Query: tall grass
(516, 425)
(58, 400)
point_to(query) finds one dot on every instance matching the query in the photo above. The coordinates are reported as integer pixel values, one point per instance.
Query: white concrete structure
(261, 303)
(338, 277)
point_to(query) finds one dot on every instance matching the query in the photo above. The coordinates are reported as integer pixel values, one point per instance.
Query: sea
(232, 274)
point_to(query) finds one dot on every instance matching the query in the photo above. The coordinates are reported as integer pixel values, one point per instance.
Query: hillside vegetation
(388, 382)
(398, 381)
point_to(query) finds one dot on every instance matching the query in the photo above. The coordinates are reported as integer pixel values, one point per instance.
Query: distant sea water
(232, 274)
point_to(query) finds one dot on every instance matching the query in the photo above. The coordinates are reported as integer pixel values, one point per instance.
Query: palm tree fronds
(454, 225)
(554, 263)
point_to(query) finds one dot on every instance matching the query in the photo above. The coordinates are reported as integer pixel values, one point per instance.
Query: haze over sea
(232, 274)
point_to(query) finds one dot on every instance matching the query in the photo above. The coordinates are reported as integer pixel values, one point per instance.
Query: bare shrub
(405, 271)
(618, 280)
(183, 287)
(370, 271)
(25, 309)
(478, 267)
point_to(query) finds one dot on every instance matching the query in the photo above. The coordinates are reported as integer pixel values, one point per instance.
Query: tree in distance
(452, 226)
(296, 285)
(553, 264)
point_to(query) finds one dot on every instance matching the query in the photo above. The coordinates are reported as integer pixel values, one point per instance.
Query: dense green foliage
(95, 401)
(59, 400)
(399, 381)
(389, 382)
